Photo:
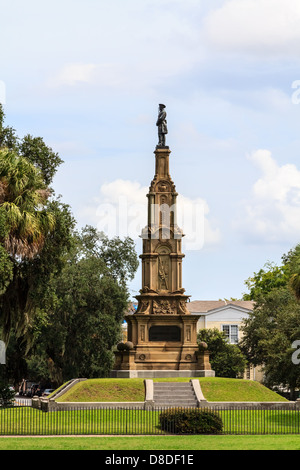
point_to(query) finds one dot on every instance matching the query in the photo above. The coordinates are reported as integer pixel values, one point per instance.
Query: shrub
(7, 396)
(190, 421)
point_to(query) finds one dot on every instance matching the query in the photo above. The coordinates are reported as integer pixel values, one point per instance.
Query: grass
(223, 389)
(106, 390)
(30, 421)
(130, 390)
(121, 423)
(153, 443)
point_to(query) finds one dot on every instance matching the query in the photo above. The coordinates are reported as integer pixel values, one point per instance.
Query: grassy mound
(106, 390)
(223, 389)
(130, 390)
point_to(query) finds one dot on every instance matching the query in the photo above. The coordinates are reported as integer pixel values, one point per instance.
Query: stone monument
(162, 333)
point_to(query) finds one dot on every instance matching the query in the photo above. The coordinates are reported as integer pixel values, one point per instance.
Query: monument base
(149, 374)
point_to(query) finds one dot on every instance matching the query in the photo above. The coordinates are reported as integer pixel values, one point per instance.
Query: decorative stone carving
(188, 333)
(163, 272)
(162, 307)
(163, 187)
(144, 307)
(182, 307)
(146, 290)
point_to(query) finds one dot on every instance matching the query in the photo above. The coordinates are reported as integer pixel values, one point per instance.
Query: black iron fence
(25, 420)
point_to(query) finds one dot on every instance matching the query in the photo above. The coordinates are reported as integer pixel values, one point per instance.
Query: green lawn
(129, 390)
(30, 421)
(153, 443)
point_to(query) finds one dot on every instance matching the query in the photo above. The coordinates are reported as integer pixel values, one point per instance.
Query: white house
(226, 316)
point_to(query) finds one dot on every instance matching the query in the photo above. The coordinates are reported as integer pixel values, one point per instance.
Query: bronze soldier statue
(162, 125)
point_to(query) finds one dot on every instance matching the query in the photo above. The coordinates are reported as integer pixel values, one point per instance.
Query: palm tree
(25, 222)
(23, 196)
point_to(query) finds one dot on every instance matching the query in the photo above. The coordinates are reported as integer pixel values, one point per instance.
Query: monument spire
(162, 333)
(162, 238)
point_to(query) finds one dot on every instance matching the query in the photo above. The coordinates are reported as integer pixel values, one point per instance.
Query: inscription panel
(165, 333)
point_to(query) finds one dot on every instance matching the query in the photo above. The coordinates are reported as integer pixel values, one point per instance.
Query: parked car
(39, 391)
(30, 392)
(47, 392)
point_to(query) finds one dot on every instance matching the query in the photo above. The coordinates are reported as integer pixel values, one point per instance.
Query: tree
(274, 324)
(8, 138)
(62, 293)
(7, 396)
(32, 148)
(293, 260)
(226, 359)
(85, 305)
(35, 230)
(269, 277)
(23, 198)
(268, 335)
(43, 157)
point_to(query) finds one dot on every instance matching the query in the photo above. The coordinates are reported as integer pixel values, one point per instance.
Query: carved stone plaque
(164, 333)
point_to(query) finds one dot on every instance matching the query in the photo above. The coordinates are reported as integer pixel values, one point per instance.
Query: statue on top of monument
(162, 125)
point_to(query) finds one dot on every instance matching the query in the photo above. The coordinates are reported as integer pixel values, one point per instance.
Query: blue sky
(88, 76)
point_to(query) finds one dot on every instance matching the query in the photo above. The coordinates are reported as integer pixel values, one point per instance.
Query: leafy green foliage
(190, 421)
(84, 307)
(268, 334)
(6, 395)
(6, 270)
(8, 138)
(271, 277)
(293, 261)
(23, 198)
(43, 157)
(226, 359)
(35, 231)
(274, 324)
(21, 301)
(62, 294)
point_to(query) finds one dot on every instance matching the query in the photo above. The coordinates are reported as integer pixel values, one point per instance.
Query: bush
(7, 396)
(190, 421)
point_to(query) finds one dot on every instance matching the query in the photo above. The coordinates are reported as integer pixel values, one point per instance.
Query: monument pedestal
(162, 346)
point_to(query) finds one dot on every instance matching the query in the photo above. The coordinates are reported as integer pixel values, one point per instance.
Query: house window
(231, 332)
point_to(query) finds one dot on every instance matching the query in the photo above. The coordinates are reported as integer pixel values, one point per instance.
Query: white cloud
(255, 26)
(121, 209)
(273, 213)
(146, 72)
(72, 74)
(132, 45)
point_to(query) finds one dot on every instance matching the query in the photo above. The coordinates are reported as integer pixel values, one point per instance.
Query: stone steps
(174, 394)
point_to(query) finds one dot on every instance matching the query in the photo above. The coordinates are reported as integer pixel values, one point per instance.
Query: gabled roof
(205, 306)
